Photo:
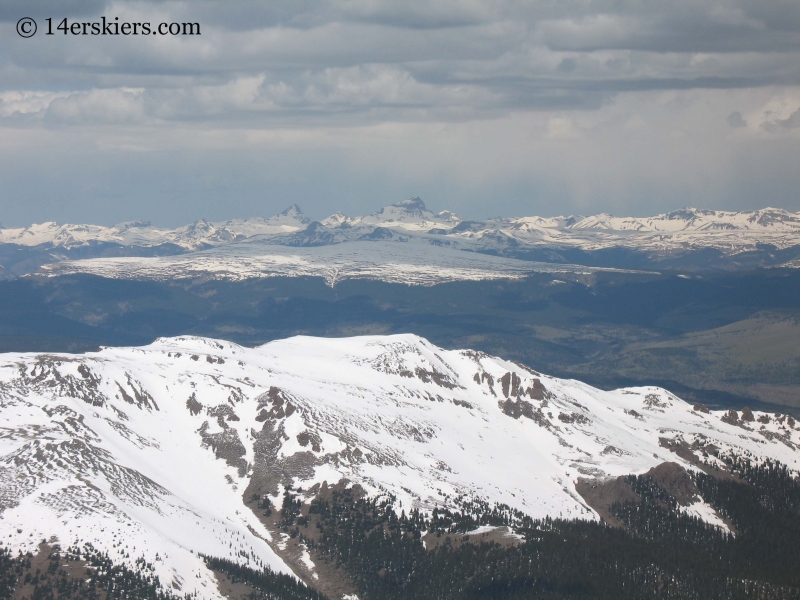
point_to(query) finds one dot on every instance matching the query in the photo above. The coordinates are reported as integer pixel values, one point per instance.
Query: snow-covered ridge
(688, 227)
(146, 451)
(694, 219)
(142, 233)
(404, 243)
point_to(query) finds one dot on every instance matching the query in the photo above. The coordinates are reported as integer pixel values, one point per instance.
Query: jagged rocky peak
(413, 208)
(412, 205)
(338, 219)
(293, 213)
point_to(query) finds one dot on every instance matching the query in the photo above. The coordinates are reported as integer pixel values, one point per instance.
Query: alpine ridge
(157, 452)
(732, 237)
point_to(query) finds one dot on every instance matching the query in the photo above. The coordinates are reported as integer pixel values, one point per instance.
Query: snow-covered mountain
(154, 452)
(693, 219)
(199, 234)
(688, 227)
(404, 242)
(409, 215)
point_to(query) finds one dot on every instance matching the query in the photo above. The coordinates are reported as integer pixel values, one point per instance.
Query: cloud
(791, 122)
(774, 123)
(736, 120)
(97, 107)
(398, 94)
(26, 102)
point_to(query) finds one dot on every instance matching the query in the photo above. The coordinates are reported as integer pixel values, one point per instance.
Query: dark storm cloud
(521, 54)
(650, 25)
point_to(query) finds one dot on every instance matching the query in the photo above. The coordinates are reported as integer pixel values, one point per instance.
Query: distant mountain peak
(292, 211)
(412, 204)
(199, 225)
(411, 210)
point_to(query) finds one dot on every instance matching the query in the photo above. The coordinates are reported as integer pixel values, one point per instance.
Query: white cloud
(601, 105)
(97, 107)
(24, 102)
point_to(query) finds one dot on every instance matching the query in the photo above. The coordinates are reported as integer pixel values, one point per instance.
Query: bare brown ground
(600, 495)
(672, 477)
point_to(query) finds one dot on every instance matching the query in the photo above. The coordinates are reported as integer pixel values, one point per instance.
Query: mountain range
(689, 238)
(191, 448)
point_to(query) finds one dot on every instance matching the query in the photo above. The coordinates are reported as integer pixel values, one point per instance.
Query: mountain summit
(413, 206)
(163, 448)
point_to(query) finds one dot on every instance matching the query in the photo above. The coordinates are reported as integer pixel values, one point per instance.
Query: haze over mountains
(372, 467)
(412, 216)
(688, 238)
(697, 301)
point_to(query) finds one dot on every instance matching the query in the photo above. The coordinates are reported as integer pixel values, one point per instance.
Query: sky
(511, 108)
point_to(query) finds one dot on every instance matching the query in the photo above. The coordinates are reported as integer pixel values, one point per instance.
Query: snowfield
(149, 451)
(412, 263)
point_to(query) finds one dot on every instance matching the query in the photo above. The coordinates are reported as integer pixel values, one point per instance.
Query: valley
(724, 339)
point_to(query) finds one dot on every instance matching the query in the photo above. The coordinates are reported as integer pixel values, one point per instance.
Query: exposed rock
(537, 391)
(510, 383)
(523, 408)
(573, 418)
(195, 408)
(226, 445)
(309, 437)
(436, 377)
(280, 405)
(223, 413)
